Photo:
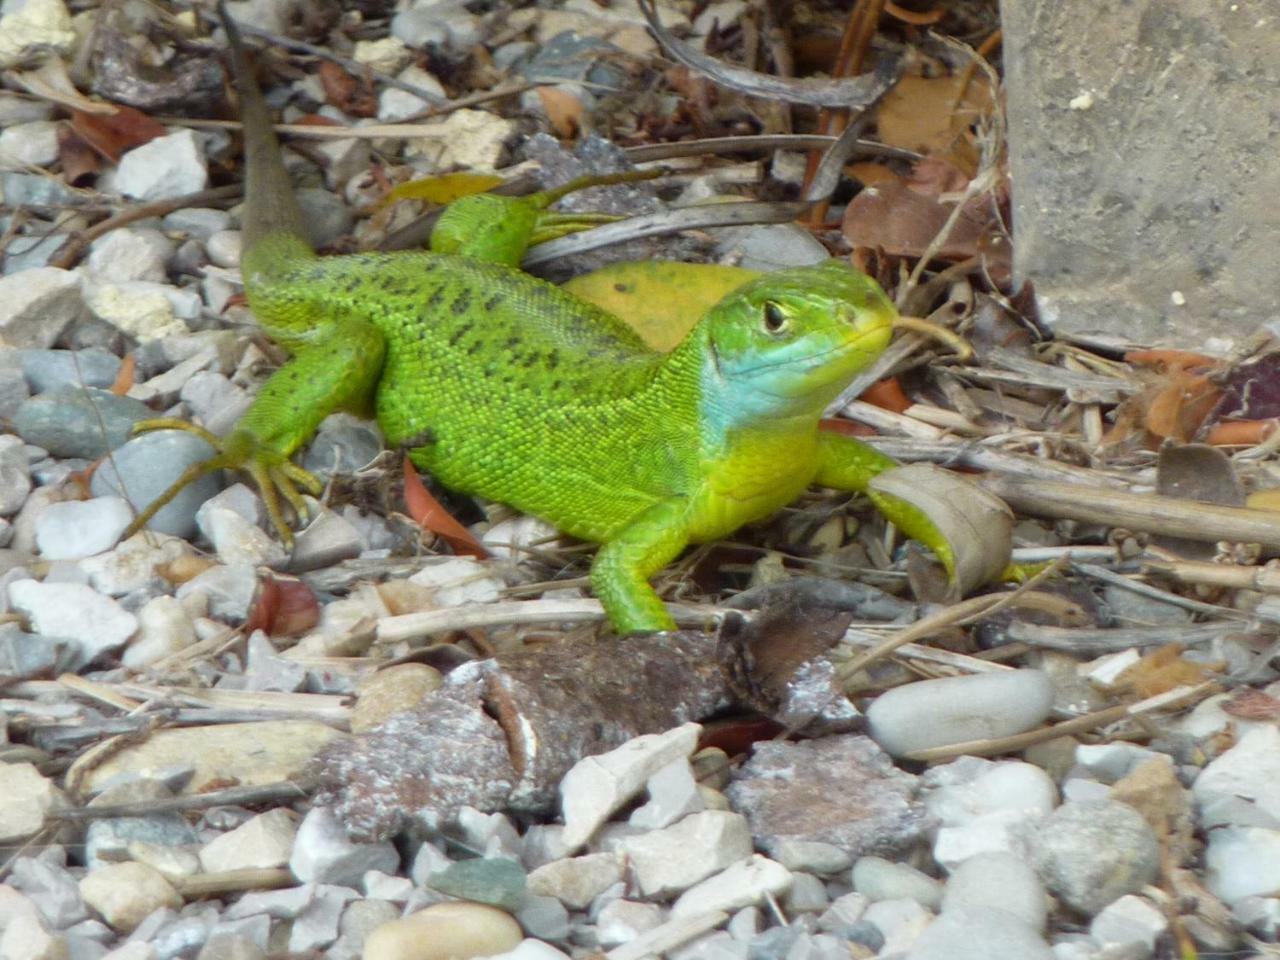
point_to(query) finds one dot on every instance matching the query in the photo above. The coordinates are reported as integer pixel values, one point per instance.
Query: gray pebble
(13, 383)
(109, 838)
(981, 933)
(229, 590)
(343, 444)
(997, 880)
(1090, 854)
(145, 466)
(328, 219)
(78, 421)
(879, 879)
(48, 370)
(15, 475)
(197, 222)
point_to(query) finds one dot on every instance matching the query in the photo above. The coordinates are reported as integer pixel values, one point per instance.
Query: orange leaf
(283, 607)
(426, 510)
(887, 394)
(1242, 433)
(125, 375)
(1171, 360)
(1179, 408)
(350, 95)
(564, 110)
(113, 134)
(846, 428)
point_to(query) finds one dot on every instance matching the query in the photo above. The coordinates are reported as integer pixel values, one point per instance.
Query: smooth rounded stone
(808, 894)
(145, 466)
(1250, 769)
(74, 529)
(900, 923)
(78, 421)
(74, 612)
(224, 248)
(1259, 914)
(37, 305)
(879, 879)
(1090, 854)
(577, 881)
(496, 881)
(999, 880)
(26, 797)
(544, 917)
(1128, 921)
(262, 842)
(174, 862)
(391, 691)
(812, 856)
(164, 628)
(939, 713)
(48, 370)
(323, 853)
(25, 938)
(445, 931)
(1110, 762)
(531, 949)
(328, 539)
(741, 884)
(343, 444)
(15, 475)
(125, 894)
(1243, 862)
(979, 934)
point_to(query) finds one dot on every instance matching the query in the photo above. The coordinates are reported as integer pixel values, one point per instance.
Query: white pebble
(740, 885)
(880, 879)
(979, 934)
(999, 880)
(75, 612)
(937, 713)
(1129, 921)
(80, 528)
(1243, 862)
(1250, 769)
(675, 858)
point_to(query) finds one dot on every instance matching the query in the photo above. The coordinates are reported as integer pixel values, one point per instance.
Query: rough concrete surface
(1144, 142)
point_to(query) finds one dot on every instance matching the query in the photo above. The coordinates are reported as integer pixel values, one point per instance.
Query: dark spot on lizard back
(461, 303)
(492, 303)
(436, 298)
(459, 333)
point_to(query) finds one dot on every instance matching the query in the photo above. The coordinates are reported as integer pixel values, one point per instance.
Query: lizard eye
(775, 321)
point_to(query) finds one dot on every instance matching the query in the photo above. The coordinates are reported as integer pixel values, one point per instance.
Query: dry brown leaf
(1163, 670)
(933, 115)
(115, 134)
(354, 97)
(77, 159)
(564, 110)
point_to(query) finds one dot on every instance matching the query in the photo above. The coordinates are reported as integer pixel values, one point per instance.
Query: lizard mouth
(853, 343)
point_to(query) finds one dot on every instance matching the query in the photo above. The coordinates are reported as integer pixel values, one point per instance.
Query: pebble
(94, 624)
(125, 894)
(445, 931)
(939, 713)
(248, 754)
(1128, 921)
(1250, 769)
(129, 254)
(265, 841)
(979, 934)
(621, 921)
(228, 590)
(197, 222)
(1259, 914)
(359, 919)
(144, 467)
(899, 922)
(811, 856)
(808, 894)
(741, 884)
(141, 309)
(598, 786)
(174, 862)
(394, 690)
(164, 628)
(317, 926)
(237, 540)
(47, 370)
(496, 881)
(529, 949)
(544, 917)
(323, 853)
(1091, 854)
(576, 881)
(471, 139)
(1243, 862)
(673, 794)
(879, 879)
(78, 421)
(165, 167)
(15, 474)
(49, 887)
(37, 306)
(107, 840)
(74, 529)
(26, 797)
(32, 144)
(26, 938)
(675, 858)
(1001, 881)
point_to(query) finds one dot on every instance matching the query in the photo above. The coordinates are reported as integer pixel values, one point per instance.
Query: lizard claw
(274, 474)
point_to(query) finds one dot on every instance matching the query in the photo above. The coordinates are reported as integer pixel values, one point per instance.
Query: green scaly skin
(505, 386)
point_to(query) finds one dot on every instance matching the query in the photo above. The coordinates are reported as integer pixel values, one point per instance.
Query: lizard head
(790, 341)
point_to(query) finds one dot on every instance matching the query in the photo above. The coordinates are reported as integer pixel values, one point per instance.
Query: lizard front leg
(621, 571)
(337, 370)
(847, 464)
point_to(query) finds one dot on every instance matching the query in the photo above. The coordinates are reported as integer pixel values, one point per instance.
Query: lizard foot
(274, 474)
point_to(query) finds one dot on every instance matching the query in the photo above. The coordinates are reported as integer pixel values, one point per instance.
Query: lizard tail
(270, 206)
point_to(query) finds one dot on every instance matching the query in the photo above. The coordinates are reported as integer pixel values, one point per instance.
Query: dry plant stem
(236, 796)
(410, 626)
(958, 614)
(1193, 520)
(71, 254)
(233, 881)
(1262, 579)
(101, 692)
(974, 455)
(1113, 639)
(1173, 699)
(915, 651)
(775, 141)
(1164, 596)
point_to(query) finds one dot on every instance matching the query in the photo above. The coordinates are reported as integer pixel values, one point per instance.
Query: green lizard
(505, 386)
